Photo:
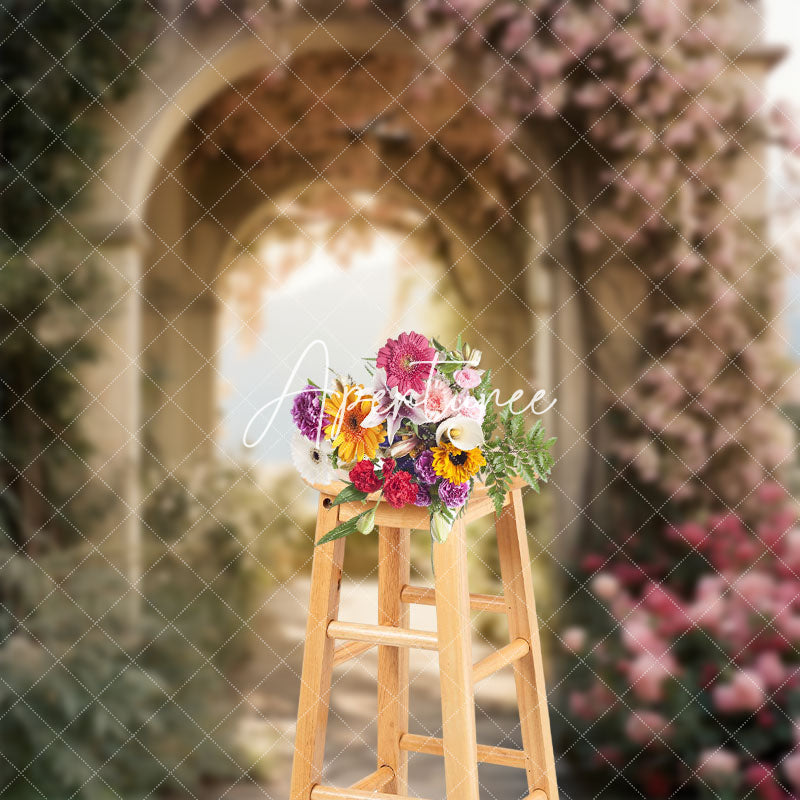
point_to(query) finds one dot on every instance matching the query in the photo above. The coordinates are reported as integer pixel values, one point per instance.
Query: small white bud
(440, 528)
(366, 523)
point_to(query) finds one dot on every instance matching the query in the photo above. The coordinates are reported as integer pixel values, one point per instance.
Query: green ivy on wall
(87, 710)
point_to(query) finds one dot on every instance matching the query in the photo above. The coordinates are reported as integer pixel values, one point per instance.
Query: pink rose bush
(686, 682)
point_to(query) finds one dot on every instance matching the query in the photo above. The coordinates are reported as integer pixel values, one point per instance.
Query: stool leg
(512, 544)
(455, 666)
(315, 682)
(394, 572)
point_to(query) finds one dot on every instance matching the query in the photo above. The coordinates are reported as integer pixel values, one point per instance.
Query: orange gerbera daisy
(347, 410)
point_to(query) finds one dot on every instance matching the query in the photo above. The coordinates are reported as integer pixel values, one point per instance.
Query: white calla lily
(463, 432)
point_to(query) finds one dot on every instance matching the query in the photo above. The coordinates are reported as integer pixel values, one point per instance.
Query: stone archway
(502, 237)
(248, 160)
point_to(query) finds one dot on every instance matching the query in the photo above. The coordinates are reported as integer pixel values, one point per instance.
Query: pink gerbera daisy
(408, 361)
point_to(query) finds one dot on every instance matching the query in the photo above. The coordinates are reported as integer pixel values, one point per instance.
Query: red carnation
(364, 478)
(388, 467)
(399, 490)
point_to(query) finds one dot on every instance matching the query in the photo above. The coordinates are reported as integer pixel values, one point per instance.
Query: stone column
(112, 417)
(559, 365)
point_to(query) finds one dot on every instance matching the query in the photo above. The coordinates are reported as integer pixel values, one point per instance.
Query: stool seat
(413, 517)
(452, 641)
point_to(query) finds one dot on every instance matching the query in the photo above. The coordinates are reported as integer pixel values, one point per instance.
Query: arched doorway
(240, 164)
(281, 163)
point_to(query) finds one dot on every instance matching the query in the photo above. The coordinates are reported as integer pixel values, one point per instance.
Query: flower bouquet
(423, 435)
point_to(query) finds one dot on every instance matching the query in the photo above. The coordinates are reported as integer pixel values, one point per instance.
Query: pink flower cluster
(687, 662)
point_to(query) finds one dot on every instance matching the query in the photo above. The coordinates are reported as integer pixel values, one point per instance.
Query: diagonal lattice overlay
(366, 125)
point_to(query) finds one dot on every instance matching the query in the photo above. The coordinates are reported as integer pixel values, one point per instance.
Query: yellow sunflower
(456, 466)
(347, 409)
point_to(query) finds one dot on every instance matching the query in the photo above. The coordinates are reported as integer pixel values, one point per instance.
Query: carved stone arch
(187, 254)
(484, 219)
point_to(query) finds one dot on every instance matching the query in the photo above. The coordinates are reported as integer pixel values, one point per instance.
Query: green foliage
(42, 450)
(58, 60)
(514, 452)
(89, 706)
(103, 693)
(348, 495)
(345, 528)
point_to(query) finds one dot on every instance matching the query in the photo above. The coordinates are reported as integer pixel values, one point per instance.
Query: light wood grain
(376, 781)
(315, 680)
(345, 652)
(394, 569)
(512, 543)
(419, 595)
(407, 517)
(500, 658)
(413, 517)
(383, 634)
(330, 793)
(487, 754)
(458, 675)
(480, 506)
(455, 665)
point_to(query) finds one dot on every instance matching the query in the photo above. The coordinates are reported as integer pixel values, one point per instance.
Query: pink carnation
(437, 402)
(468, 406)
(467, 378)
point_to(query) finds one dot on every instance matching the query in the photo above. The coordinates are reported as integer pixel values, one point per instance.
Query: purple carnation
(423, 466)
(454, 495)
(307, 410)
(423, 497)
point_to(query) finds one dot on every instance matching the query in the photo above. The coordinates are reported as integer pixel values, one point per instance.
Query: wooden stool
(393, 637)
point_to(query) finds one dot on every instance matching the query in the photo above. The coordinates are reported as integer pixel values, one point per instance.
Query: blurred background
(601, 195)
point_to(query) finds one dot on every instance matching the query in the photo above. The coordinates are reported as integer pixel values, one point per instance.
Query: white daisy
(312, 462)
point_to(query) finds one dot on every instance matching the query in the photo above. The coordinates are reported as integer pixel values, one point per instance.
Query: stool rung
(320, 792)
(506, 655)
(383, 634)
(350, 650)
(537, 794)
(376, 781)
(478, 602)
(487, 754)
